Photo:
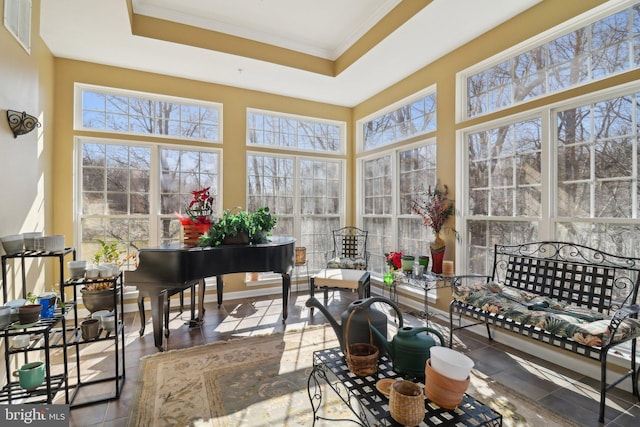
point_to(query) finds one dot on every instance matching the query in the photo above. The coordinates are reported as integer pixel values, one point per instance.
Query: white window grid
(540, 66)
(408, 118)
(138, 113)
(17, 20)
(293, 132)
(390, 180)
(305, 193)
(136, 228)
(551, 220)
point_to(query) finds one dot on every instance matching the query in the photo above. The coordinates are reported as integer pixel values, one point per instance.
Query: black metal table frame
(427, 282)
(370, 407)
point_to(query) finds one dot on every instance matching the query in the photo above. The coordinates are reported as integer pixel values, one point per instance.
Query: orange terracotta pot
(193, 231)
(443, 391)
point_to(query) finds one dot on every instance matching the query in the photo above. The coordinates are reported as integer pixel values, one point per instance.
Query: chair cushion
(339, 278)
(584, 325)
(348, 263)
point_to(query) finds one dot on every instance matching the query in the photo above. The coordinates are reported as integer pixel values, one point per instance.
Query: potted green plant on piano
(240, 227)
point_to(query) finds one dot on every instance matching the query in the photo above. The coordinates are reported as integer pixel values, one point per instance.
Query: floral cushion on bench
(586, 326)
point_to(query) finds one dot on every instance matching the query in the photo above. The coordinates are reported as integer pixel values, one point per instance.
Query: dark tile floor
(560, 388)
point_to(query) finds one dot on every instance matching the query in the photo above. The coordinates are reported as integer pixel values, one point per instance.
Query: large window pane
(387, 214)
(304, 193)
(128, 112)
(596, 162)
(288, 131)
(505, 176)
(594, 51)
(115, 202)
(411, 119)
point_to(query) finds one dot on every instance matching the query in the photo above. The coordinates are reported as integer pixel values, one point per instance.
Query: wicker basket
(362, 358)
(406, 403)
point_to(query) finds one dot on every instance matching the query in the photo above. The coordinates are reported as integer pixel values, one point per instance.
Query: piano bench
(168, 294)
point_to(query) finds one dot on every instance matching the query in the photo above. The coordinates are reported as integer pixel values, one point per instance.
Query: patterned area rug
(262, 381)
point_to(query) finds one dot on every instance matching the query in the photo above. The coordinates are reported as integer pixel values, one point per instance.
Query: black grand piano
(176, 266)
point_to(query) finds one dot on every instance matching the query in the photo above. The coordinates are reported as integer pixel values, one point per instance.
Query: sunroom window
(137, 113)
(600, 46)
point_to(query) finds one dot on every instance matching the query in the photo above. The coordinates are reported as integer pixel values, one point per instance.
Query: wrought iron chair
(349, 253)
(349, 249)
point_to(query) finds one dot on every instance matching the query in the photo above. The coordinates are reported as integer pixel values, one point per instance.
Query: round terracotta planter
(443, 391)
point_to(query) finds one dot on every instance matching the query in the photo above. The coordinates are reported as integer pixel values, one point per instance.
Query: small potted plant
(262, 222)
(240, 227)
(99, 295)
(199, 216)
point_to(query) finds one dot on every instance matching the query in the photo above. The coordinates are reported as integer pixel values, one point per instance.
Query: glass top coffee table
(370, 407)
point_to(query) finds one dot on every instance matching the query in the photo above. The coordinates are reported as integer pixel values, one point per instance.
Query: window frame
(79, 89)
(297, 216)
(550, 220)
(360, 148)
(397, 215)
(21, 19)
(155, 216)
(541, 39)
(316, 120)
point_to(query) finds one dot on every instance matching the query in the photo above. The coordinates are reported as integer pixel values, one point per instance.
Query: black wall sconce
(21, 123)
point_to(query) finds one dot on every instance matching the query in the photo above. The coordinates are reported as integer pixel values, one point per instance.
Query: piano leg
(286, 288)
(201, 300)
(197, 321)
(143, 319)
(156, 297)
(219, 287)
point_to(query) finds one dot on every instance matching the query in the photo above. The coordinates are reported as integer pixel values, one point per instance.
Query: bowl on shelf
(108, 322)
(13, 244)
(29, 313)
(92, 272)
(20, 341)
(77, 269)
(5, 316)
(14, 305)
(54, 243)
(31, 241)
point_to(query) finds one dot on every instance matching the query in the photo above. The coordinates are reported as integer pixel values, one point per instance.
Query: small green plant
(109, 253)
(31, 297)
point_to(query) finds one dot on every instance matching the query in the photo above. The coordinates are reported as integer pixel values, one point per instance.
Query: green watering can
(410, 349)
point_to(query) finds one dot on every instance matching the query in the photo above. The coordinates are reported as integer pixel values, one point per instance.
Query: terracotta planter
(193, 231)
(443, 391)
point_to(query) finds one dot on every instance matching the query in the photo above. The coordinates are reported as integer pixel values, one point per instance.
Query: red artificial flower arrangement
(394, 259)
(200, 208)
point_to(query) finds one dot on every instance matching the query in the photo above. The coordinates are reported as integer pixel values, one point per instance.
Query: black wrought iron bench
(566, 295)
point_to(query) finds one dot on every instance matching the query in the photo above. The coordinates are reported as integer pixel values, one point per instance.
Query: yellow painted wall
(235, 103)
(26, 84)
